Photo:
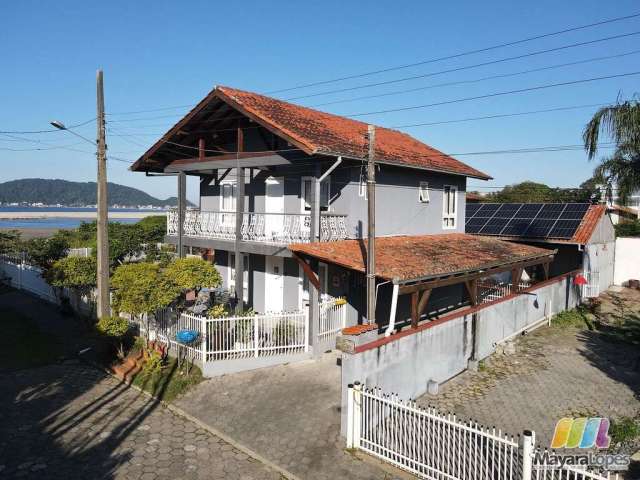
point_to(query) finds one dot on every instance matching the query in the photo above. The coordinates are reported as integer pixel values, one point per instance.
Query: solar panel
(539, 228)
(471, 209)
(564, 228)
(534, 220)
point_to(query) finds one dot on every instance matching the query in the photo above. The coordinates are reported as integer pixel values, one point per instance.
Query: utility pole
(104, 306)
(371, 227)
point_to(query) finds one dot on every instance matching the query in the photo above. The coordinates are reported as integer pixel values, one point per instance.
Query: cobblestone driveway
(555, 372)
(72, 421)
(289, 414)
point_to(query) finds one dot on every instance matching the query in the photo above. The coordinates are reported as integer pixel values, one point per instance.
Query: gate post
(527, 454)
(203, 336)
(357, 413)
(350, 414)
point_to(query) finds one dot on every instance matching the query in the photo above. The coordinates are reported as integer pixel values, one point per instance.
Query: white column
(527, 454)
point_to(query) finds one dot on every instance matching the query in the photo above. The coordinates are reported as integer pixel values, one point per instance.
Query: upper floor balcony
(268, 228)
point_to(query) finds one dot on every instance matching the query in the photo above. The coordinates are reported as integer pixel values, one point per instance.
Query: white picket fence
(283, 333)
(440, 446)
(230, 338)
(332, 319)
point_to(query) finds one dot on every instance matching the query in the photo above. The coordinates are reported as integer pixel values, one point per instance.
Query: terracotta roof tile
(332, 134)
(323, 133)
(589, 224)
(410, 257)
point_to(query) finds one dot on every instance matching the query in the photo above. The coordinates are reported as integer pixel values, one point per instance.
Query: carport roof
(422, 257)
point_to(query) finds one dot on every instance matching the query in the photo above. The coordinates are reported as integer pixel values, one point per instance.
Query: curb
(213, 431)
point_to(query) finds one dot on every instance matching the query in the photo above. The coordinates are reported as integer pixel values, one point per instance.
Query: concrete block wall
(439, 350)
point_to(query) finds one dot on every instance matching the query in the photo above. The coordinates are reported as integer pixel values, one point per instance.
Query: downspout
(392, 315)
(331, 169)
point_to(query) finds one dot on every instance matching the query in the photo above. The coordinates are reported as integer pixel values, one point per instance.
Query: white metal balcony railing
(277, 228)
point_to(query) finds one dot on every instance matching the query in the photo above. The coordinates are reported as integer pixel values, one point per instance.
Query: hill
(73, 194)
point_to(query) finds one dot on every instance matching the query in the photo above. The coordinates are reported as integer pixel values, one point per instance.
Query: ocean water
(60, 222)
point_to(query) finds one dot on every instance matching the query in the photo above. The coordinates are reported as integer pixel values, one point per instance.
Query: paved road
(289, 414)
(72, 421)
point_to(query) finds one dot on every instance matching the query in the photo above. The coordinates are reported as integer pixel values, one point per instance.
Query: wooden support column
(418, 306)
(201, 152)
(182, 207)
(516, 276)
(239, 264)
(545, 269)
(472, 290)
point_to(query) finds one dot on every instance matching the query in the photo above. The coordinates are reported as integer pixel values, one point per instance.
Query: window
(325, 188)
(449, 206)
(423, 192)
(245, 276)
(228, 195)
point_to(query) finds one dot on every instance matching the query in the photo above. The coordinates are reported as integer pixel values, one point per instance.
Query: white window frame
(449, 219)
(303, 202)
(232, 274)
(234, 192)
(423, 192)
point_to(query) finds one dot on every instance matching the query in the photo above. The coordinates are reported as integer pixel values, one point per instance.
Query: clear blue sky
(157, 54)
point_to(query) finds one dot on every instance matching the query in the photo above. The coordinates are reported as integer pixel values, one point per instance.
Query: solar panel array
(529, 220)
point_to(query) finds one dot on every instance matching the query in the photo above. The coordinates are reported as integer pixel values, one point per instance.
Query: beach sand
(88, 215)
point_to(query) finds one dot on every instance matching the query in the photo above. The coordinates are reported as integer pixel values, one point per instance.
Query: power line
(153, 109)
(497, 94)
(467, 67)
(481, 79)
(502, 115)
(27, 132)
(458, 55)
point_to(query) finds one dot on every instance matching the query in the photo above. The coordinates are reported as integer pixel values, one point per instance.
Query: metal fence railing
(439, 446)
(282, 333)
(489, 291)
(332, 319)
(229, 338)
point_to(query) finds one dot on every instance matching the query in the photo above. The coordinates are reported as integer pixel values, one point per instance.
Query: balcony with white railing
(271, 228)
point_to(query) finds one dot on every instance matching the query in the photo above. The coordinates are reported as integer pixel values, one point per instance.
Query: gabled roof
(589, 224)
(322, 133)
(405, 258)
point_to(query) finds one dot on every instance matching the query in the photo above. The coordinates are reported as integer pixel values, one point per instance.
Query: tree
(78, 273)
(522, 193)
(44, 252)
(115, 328)
(11, 242)
(191, 274)
(153, 228)
(140, 288)
(620, 122)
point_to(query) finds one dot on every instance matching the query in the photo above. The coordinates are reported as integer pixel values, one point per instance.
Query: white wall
(27, 277)
(627, 260)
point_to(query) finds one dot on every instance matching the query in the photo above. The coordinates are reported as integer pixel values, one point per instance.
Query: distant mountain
(74, 194)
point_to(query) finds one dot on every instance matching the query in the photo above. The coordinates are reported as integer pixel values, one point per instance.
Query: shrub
(218, 311)
(628, 229)
(624, 429)
(153, 366)
(285, 332)
(115, 328)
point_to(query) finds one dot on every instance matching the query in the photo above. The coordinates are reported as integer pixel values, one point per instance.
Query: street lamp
(61, 126)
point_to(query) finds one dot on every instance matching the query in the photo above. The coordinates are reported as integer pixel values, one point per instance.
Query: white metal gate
(332, 319)
(439, 446)
(592, 288)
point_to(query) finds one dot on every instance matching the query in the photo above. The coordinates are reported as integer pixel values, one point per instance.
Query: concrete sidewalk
(289, 414)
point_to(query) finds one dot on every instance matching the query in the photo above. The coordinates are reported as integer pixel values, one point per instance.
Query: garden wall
(440, 349)
(27, 277)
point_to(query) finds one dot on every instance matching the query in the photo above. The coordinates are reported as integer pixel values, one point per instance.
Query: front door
(274, 284)
(274, 208)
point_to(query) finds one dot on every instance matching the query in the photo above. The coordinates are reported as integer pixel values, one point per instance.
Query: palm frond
(621, 122)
